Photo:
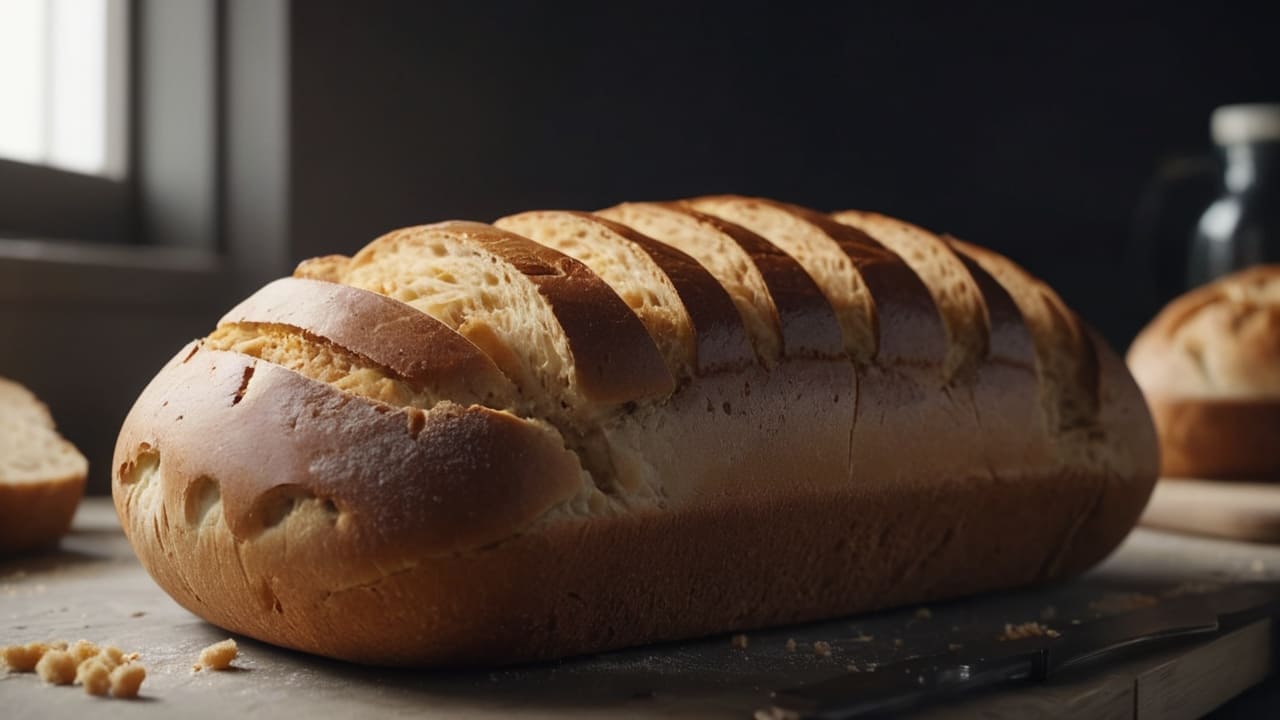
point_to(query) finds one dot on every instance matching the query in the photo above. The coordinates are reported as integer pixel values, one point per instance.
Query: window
(64, 128)
(63, 84)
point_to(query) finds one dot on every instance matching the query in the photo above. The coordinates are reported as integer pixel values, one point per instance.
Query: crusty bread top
(1221, 341)
(688, 314)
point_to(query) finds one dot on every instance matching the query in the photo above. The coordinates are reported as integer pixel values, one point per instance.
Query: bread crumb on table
(924, 613)
(57, 667)
(218, 656)
(95, 676)
(1027, 630)
(791, 645)
(99, 669)
(127, 679)
(739, 641)
(822, 648)
(860, 637)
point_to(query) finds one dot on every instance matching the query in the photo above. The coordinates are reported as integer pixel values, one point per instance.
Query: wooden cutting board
(1217, 508)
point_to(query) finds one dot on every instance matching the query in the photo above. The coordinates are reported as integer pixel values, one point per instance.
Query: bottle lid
(1246, 123)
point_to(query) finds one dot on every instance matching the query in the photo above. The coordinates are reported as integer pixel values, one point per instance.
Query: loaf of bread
(1209, 365)
(41, 474)
(566, 432)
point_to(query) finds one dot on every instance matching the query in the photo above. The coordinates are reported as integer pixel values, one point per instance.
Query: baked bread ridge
(42, 475)
(501, 573)
(1209, 365)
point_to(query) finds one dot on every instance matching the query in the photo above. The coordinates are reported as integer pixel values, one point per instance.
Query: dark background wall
(1031, 134)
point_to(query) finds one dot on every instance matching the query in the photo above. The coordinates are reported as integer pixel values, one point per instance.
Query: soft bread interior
(319, 360)
(31, 450)
(631, 272)
(952, 287)
(721, 255)
(820, 255)
(484, 298)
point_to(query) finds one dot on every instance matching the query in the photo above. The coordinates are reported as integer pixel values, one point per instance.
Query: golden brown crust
(807, 323)
(466, 535)
(408, 344)
(392, 480)
(721, 337)
(1209, 364)
(614, 357)
(35, 514)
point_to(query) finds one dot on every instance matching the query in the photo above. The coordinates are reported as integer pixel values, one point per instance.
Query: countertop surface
(92, 587)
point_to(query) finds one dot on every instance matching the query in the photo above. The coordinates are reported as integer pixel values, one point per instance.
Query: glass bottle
(1242, 227)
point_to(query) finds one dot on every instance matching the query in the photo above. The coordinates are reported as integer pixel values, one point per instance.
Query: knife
(897, 686)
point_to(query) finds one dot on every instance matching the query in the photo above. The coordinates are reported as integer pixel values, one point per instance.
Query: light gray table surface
(92, 587)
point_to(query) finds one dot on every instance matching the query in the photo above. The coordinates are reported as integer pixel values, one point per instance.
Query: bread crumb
(83, 650)
(863, 638)
(1027, 630)
(924, 614)
(137, 614)
(23, 658)
(113, 656)
(1116, 603)
(822, 649)
(851, 668)
(57, 667)
(1075, 621)
(954, 646)
(131, 657)
(791, 645)
(218, 656)
(95, 676)
(739, 641)
(127, 679)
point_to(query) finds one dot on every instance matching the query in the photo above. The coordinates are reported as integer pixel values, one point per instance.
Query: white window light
(63, 84)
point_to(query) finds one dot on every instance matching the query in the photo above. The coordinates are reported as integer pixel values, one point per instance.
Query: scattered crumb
(1048, 612)
(95, 676)
(863, 638)
(954, 646)
(22, 658)
(218, 656)
(791, 645)
(127, 679)
(114, 655)
(739, 641)
(1027, 630)
(822, 649)
(851, 668)
(137, 614)
(83, 650)
(1116, 603)
(57, 667)
(131, 657)
(1191, 588)
(1075, 621)
(924, 614)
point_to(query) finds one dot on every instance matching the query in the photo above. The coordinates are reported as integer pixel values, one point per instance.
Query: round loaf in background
(1209, 366)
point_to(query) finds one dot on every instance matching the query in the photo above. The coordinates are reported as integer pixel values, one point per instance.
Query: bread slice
(1066, 356)
(687, 313)
(951, 285)
(42, 475)
(777, 300)
(884, 309)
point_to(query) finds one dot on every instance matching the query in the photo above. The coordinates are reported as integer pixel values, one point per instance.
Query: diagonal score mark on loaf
(687, 312)
(576, 353)
(1069, 385)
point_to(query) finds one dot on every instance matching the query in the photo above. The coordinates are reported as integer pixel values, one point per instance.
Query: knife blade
(993, 663)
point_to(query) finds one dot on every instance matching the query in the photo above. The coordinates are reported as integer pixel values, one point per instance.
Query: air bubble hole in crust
(203, 495)
(276, 506)
(142, 469)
